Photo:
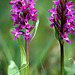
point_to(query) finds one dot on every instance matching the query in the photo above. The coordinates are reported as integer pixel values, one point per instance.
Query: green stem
(27, 54)
(62, 56)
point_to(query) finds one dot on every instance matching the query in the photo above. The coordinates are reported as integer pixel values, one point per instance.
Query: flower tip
(55, 2)
(68, 41)
(70, 2)
(14, 38)
(52, 25)
(12, 2)
(49, 10)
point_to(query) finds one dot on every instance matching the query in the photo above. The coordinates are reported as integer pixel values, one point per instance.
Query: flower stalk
(63, 20)
(27, 54)
(62, 55)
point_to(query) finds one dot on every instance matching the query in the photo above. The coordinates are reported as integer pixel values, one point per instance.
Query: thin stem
(62, 56)
(27, 53)
(63, 19)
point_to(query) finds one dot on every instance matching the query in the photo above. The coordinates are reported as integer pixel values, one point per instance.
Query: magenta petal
(72, 30)
(55, 2)
(52, 25)
(15, 37)
(13, 31)
(70, 2)
(27, 30)
(68, 41)
(12, 2)
(65, 36)
(32, 27)
(27, 35)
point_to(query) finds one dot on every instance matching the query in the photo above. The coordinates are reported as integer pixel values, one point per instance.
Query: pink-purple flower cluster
(23, 11)
(62, 17)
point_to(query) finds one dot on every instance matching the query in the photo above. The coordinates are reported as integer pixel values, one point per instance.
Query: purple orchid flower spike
(23, 11)
(64, 14)
(62, 19)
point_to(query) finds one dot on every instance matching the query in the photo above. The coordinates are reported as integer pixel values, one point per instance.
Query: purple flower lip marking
(23, 11)
(63, 13)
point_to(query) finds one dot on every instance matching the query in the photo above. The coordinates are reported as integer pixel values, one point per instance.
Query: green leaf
(24, 64)
(43, 70)
(58, 37)
(56, 33)
(13, 69)
(4, 45)
(70, 71)
(33, 32)
(23, 54)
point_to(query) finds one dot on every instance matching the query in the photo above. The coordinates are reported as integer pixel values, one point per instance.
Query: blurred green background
(44, 49)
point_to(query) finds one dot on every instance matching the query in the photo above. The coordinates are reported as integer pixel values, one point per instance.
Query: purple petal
(68, 41)
(52, 25)
(12, 2)
(55, 2)
(15, 37)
